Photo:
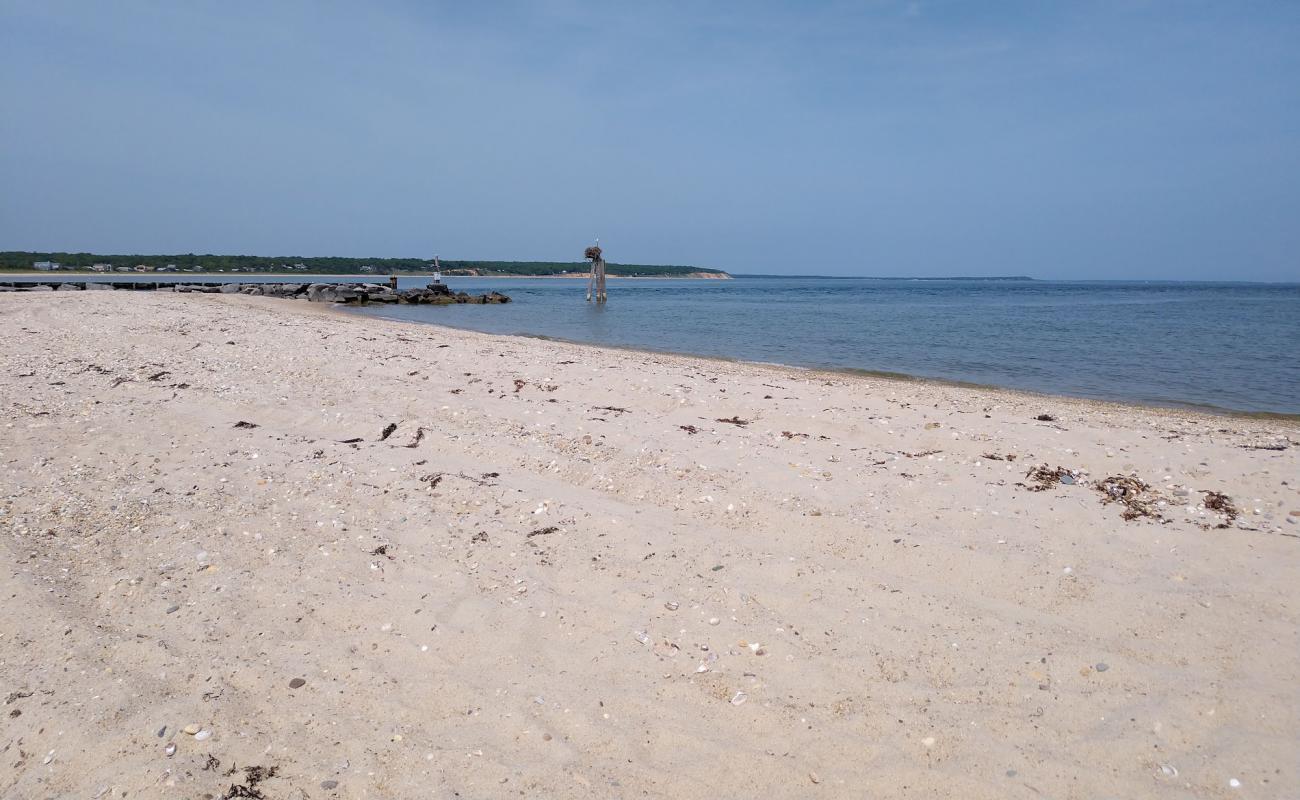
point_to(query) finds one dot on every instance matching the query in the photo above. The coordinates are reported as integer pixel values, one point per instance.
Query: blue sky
(1154, 139)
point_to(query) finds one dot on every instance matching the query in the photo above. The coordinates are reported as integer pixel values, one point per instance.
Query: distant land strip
(25, 261)
(894, 278)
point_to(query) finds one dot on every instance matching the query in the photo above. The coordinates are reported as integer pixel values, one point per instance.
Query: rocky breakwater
(354, 293)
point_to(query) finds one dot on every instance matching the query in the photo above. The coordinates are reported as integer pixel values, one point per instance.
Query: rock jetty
(348, 293)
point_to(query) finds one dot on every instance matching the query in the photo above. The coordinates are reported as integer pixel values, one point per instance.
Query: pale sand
(927, 627)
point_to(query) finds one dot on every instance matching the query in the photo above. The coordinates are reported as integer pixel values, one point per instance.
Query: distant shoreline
(30, 260)
(54, 275)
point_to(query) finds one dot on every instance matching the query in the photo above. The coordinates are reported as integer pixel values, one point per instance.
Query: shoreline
(359, 275)
(848, 372)
(384, 558)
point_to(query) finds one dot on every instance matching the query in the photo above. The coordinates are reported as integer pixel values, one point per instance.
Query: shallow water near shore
(1215, 346)
(1230, 346)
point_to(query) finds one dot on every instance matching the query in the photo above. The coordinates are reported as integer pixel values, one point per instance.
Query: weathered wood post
(596, 282)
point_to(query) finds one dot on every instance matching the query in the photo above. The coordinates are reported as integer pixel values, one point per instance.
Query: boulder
(230, 288)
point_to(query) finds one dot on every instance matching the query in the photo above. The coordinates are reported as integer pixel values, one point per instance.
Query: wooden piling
(596, 281)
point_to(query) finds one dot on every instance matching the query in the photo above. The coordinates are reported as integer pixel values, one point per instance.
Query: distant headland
(895, 278)
(26, 261)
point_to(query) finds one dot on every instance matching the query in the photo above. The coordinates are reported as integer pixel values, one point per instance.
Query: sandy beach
(260, 548)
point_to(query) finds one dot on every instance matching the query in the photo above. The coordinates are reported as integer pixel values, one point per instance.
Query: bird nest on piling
(592, 253)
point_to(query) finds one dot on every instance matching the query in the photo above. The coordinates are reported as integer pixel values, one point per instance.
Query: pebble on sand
(297, 683)
(329, 784)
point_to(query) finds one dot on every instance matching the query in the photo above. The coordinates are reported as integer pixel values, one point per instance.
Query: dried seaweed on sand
(1137, 497)
(1216, 501)
(1045, 477)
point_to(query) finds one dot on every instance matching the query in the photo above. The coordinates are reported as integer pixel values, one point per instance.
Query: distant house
(367, 268)
(300, 266)
(101, 267)
(46, 265)
(122, 269)
(143, 268)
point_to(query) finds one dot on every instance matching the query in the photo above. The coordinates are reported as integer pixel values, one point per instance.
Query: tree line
(330, 265)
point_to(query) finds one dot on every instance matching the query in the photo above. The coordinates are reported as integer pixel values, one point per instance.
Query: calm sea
(1219, 345)
(1232, 346)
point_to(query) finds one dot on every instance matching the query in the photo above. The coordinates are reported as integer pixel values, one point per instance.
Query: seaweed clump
(1136, 496)
(1045, 477)
(252, 777)
(1216, 501)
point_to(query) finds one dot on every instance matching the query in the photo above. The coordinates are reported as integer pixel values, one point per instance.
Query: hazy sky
(1054, 139)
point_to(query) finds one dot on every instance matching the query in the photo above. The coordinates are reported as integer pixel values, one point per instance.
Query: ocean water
(1230, 346)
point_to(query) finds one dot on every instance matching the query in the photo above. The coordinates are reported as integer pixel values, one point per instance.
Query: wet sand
(579, 572)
